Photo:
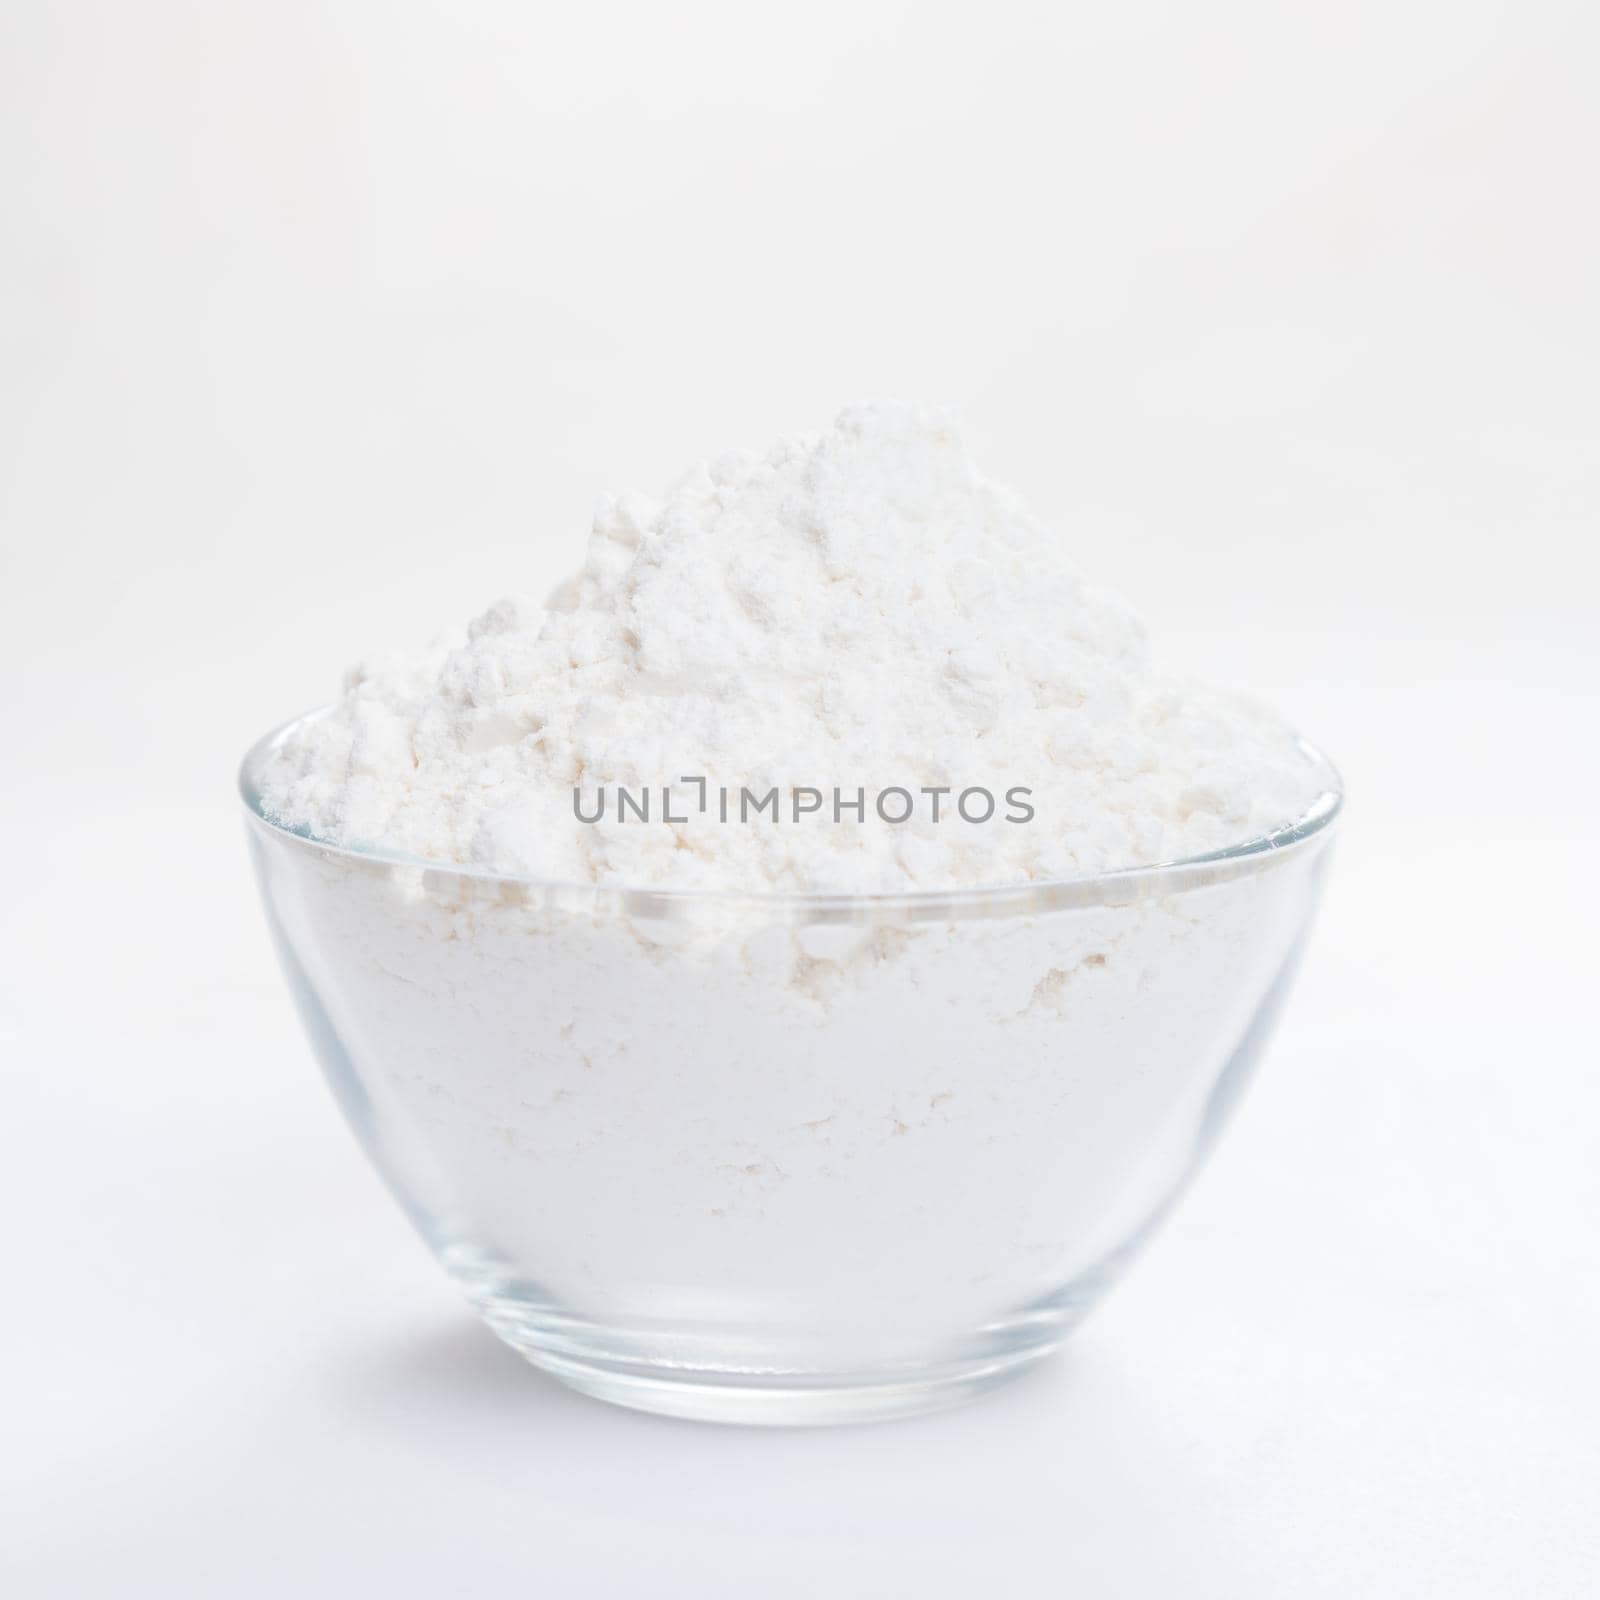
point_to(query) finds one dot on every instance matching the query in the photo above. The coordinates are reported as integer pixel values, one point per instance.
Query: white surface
(312, 313)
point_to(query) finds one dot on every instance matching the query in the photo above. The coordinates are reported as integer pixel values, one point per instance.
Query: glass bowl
(787, 1158)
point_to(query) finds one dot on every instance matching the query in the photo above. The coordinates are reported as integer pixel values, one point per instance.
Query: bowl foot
(781, 1399)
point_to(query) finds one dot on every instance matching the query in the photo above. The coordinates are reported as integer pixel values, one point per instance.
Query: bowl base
(731, 1371)
(777, 1399)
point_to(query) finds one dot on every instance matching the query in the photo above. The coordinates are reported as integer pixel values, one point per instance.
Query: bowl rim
(1308, 831)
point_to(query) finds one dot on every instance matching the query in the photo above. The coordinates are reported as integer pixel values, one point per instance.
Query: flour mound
(858, 611)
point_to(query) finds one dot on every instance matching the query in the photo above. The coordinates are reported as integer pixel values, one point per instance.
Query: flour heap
(857, 612)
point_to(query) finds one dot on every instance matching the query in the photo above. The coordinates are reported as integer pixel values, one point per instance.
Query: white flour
(723, 1135)
(778, 1145)
(859, 612)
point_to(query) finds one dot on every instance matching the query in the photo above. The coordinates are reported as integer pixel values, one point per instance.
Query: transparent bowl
(787, 1158)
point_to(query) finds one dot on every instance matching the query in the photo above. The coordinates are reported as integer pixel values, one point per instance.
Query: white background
(321, 325)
